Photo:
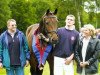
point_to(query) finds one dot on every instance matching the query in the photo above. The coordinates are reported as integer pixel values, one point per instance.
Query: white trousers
(60, 68)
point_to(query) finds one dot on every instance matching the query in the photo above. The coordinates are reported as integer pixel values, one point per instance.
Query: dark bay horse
(46, 32)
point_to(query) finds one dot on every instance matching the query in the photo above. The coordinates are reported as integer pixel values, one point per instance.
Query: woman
(87, 51)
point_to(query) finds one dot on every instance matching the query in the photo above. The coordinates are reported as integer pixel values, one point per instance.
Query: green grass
(27, 70)
(45, 72)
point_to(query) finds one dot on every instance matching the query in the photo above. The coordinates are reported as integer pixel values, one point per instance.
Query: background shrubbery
(27, 12)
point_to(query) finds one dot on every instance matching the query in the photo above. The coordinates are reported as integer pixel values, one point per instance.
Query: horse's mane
(42, 28)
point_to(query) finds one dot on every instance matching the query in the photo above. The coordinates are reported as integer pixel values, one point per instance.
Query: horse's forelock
(42, 27)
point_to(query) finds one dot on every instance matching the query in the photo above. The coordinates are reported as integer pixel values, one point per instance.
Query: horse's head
(48, 25)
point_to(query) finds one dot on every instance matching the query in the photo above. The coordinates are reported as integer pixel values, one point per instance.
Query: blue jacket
(4, 53)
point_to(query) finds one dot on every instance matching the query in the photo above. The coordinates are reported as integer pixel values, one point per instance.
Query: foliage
(23, 12)
(27, 12)
(5, 13)
(63, 8)
(41, 7)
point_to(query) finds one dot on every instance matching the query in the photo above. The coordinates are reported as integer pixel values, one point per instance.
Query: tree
(91, 7)
(41, 7)
(27, 12)
(66, 7)
(5, 14)
(23, 12)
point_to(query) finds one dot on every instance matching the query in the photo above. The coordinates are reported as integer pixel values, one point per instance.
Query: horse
(46, 31)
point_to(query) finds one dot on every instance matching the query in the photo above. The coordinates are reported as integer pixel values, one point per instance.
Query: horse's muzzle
(54, 39)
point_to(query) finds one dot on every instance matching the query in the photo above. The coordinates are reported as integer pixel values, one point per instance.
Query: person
(14, 52)
(87, 52)
(98, 33)
(64, 49)
(81, 35)
(98, 36)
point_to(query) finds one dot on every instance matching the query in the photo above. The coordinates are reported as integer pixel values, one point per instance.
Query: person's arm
(1, 52)
(77, 53)
(69, 59)
(26, 49)
(96, 54)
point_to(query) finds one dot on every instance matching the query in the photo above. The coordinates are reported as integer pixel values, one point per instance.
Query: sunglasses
(14, 25)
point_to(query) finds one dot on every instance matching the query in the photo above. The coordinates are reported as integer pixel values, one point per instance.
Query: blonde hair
(10, 20)
(71, 16)
(91, 29)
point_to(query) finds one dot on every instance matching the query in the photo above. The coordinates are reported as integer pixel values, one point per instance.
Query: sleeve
(96, 54)
(1, 48)
(77, 53)
(76, 42)
(26, 48)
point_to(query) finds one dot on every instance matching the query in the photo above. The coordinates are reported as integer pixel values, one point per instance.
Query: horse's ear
(55, 12)
(48, 11)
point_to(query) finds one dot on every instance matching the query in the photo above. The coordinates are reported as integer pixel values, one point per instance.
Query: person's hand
(83, 64)
(1, 65)
(27, 63)
(86, 63)
(68, 61)
(41, 66)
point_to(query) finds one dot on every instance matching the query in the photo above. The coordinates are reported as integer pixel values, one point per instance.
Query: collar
(12, 33)
(88, 38)
(70, 28)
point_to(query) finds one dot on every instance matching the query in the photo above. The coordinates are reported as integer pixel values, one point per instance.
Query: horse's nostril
(55, 42)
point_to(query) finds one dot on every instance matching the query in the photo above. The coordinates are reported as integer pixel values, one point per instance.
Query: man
(14, 53)
(64, 49)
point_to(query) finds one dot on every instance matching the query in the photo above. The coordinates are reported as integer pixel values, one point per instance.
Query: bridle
(53, 31)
